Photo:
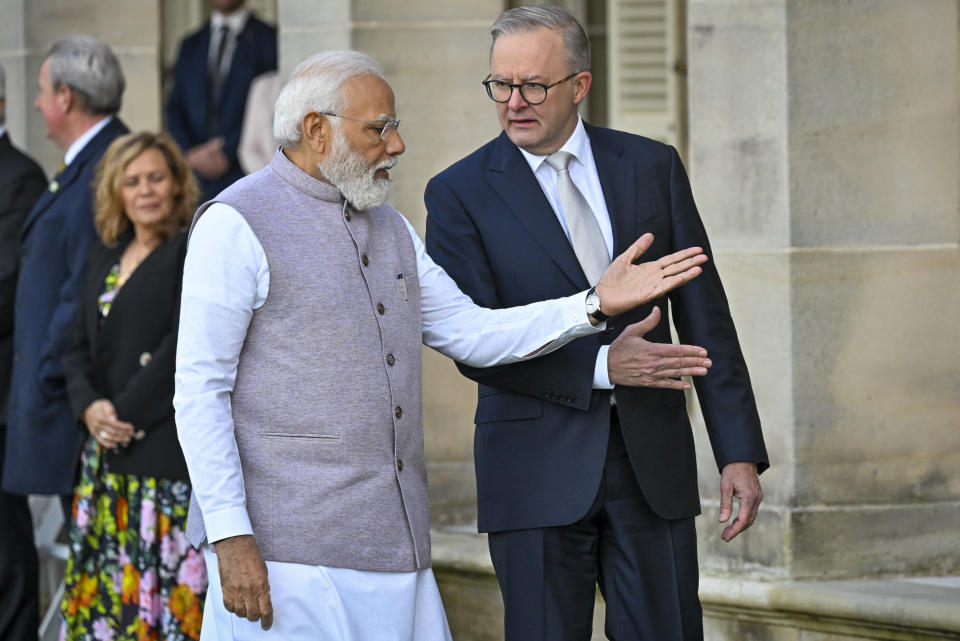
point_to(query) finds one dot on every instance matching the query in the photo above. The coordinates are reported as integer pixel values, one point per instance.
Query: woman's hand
(101, 419)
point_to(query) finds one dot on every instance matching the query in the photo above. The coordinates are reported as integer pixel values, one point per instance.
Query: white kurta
(226, 277)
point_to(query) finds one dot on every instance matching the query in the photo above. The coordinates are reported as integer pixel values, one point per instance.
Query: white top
(226, 277)
(84, 138)
(583, 173)
(235, 23)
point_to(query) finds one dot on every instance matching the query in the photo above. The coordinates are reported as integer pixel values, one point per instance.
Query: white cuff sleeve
(601, 375)
(223, 524)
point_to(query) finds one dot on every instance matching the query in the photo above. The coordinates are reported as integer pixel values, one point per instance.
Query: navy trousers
(646, 568)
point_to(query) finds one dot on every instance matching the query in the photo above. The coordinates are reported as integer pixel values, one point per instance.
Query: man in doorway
(211, 80)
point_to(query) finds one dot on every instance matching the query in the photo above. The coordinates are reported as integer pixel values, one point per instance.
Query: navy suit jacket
(42, 439)
(542, 430)
(186, 108)
(21, 183)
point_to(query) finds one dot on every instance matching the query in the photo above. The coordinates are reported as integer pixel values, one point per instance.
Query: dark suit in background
(543, 432)
(21, 183)
(128, 357)
(189, 107)
(42, 438)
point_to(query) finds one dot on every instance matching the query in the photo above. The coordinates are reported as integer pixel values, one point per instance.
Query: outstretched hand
(625, 285)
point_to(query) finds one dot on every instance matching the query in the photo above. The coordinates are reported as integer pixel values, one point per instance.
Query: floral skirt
(131, 572)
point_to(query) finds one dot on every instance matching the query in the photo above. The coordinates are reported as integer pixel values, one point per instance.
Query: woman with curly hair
(131, 573)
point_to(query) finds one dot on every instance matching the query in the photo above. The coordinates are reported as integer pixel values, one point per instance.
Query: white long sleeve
(226, 277)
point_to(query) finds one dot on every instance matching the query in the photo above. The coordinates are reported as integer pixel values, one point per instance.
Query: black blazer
(21, 183)
(541, 428)
(129, 358)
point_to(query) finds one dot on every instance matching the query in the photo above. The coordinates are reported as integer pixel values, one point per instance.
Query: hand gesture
(636, 362)
(625, 285)
(101, 419)
(739, 480)
(243, 579)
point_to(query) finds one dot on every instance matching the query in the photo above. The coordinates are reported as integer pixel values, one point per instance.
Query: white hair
(315, 87)
(90, 68)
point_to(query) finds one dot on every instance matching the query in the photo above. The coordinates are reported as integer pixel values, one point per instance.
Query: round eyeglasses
(533, 93)
(384, 127)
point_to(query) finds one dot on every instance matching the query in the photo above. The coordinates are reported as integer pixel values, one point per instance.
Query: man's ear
(65, 97)
(315, 132)
(581, 85)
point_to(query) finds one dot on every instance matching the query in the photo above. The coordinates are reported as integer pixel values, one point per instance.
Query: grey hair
(546, 16)
(315, 87)
(3, 94)
(91, 69)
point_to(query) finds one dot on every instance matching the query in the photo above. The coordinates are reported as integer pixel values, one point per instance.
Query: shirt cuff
(222, 524)
(601, 375)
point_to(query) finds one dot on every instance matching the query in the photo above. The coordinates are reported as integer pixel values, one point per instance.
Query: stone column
(132, 29)
(824, 156)
(434, 55)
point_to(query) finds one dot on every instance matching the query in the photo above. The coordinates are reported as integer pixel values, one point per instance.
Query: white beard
(347, 170)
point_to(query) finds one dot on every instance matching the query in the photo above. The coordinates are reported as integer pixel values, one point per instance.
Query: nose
(395, 145)
(516, 101)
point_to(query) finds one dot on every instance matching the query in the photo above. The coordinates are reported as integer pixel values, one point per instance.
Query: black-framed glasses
(383, 126)
(533, 93)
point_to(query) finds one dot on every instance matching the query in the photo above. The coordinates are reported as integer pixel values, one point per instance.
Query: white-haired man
(305, 301)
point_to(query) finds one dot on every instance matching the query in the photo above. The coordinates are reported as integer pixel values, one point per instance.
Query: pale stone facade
(824, 151)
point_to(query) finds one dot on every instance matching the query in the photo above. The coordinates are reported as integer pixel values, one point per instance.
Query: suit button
(346, 215)
(145, 359)
(390, 360)
(364, 260)
(139, 435)
(398, 412)
(381, 309)
(399, 465)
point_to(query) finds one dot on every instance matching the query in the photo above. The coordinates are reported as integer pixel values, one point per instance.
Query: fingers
(682, 266)
(746, 514)
(266, 611)
(639, 246)
(678, 256)
(642, 327)
(726, 499)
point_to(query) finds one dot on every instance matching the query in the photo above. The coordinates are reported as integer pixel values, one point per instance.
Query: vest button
(364, 260)
(390, 359)
(398, 412)
(381, 309)
(399, 465)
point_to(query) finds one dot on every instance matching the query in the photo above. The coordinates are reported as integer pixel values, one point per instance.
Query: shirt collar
(578, 145)
(236, 21)
(82, 141)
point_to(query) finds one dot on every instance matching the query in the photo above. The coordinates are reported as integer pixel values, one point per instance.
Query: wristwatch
(593, 306)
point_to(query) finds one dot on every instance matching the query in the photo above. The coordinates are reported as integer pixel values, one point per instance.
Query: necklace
(132, 262)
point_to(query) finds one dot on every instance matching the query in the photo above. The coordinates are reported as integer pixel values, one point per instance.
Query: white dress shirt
(235, 23)
(74, 150)
(583, 173)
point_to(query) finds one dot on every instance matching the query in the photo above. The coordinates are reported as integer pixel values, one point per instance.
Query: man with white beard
(305, 301)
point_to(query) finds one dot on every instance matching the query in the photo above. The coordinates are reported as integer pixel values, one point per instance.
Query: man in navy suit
(211, 79)
(21, 183)
(80, 90)
(578, 485)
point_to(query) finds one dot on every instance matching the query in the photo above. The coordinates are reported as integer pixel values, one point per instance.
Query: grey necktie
(585, 235)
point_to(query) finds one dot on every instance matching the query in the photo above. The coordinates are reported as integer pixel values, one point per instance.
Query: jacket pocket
(505, 406)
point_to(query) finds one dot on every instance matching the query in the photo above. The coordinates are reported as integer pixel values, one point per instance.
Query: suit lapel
(510, 175)
(105, 262)
(618, 180)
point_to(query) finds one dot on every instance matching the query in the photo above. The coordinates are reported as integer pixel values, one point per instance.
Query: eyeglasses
(533, 93)
(383, 126)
